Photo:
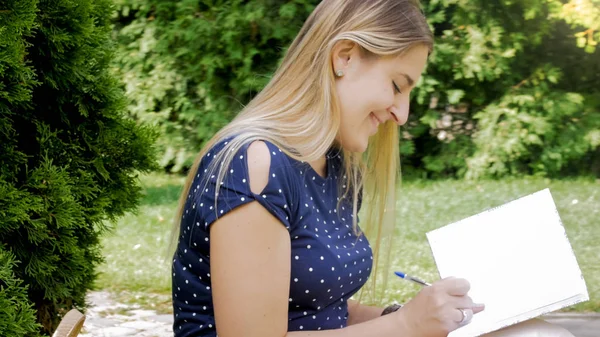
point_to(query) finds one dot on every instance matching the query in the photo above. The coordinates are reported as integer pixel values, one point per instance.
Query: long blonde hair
(298, 109)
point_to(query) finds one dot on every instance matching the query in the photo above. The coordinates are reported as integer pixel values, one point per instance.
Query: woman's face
(373, 91)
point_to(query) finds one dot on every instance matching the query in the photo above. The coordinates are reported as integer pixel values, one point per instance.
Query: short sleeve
(277, 197)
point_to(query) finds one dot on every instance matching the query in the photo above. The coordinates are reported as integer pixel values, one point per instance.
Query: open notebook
(517, 258)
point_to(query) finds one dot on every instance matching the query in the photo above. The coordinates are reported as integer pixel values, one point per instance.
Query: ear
(343, 53)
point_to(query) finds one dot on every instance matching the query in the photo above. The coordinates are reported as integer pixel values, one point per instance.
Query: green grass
(422, 206)
(136, 256)
(425, 206)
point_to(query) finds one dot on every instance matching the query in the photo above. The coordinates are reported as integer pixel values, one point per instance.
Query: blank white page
(517, 258)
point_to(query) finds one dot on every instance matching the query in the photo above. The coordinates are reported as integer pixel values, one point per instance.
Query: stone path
(107, 318)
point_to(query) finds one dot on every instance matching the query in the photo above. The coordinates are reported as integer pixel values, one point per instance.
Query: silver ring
(465, 316)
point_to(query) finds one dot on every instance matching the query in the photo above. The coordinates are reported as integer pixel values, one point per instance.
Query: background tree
(188, 66)
(582, 14)
(17, 316)
(68, 156)
(508, 91)
(495, 97)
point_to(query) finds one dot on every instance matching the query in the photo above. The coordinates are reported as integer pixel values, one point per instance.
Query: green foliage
(17, 317)
(581, 14)
(497, 70)
(534, 129)
(190, 65)
(68, 155)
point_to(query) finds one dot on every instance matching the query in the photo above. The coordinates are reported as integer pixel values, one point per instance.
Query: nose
(399, 112)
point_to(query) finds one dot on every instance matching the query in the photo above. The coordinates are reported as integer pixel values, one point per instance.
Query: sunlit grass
(136, 252)
(425, 206)
(137, 260)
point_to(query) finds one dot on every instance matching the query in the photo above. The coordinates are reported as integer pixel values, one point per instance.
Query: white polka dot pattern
(329, 263)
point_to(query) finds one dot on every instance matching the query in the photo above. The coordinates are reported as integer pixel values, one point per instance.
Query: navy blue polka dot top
(329, 263)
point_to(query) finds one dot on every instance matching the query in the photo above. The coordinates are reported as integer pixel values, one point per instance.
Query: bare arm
(250, 270)
(380, 327)
(359, 313)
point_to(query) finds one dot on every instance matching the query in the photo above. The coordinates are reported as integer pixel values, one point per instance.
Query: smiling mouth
(376, 122)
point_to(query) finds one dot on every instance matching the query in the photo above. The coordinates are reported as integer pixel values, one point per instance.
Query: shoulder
(259, 165)
(271, 171)
(234, 173)
(260, 161)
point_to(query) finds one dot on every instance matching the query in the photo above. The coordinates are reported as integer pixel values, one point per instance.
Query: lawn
(138, 265)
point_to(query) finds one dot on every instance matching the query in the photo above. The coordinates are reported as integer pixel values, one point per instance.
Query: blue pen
(411, 278)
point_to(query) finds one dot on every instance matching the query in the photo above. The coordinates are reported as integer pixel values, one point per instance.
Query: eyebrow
(408, 78)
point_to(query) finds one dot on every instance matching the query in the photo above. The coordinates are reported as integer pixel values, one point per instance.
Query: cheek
(361, 96)
(361, 101)
(352, 103)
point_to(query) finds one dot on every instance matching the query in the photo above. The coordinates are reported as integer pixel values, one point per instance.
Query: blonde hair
(298, 109)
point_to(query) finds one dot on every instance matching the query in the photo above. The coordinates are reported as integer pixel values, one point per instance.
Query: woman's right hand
(437, 309)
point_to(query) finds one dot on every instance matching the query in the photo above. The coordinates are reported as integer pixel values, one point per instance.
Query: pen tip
(400, 274)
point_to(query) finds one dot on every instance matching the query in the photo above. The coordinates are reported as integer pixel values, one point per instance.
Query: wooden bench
(70, 325)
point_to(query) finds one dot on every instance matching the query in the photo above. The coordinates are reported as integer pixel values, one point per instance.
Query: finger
(478, 307)
(465, 302)
(456, 286)
(461, 302)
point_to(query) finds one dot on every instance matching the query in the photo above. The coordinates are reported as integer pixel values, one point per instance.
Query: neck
(320, 166)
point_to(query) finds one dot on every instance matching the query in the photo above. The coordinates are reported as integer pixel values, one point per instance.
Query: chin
(354, 143)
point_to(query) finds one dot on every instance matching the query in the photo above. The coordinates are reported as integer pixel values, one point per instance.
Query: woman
(268, 235)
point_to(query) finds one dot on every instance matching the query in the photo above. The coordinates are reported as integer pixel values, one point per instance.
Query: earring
(339, 73)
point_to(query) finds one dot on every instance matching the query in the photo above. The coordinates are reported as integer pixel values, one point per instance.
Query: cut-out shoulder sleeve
(276, 192)
(259, 164)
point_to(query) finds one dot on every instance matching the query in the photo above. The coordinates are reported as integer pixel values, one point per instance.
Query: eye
(396, 88)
